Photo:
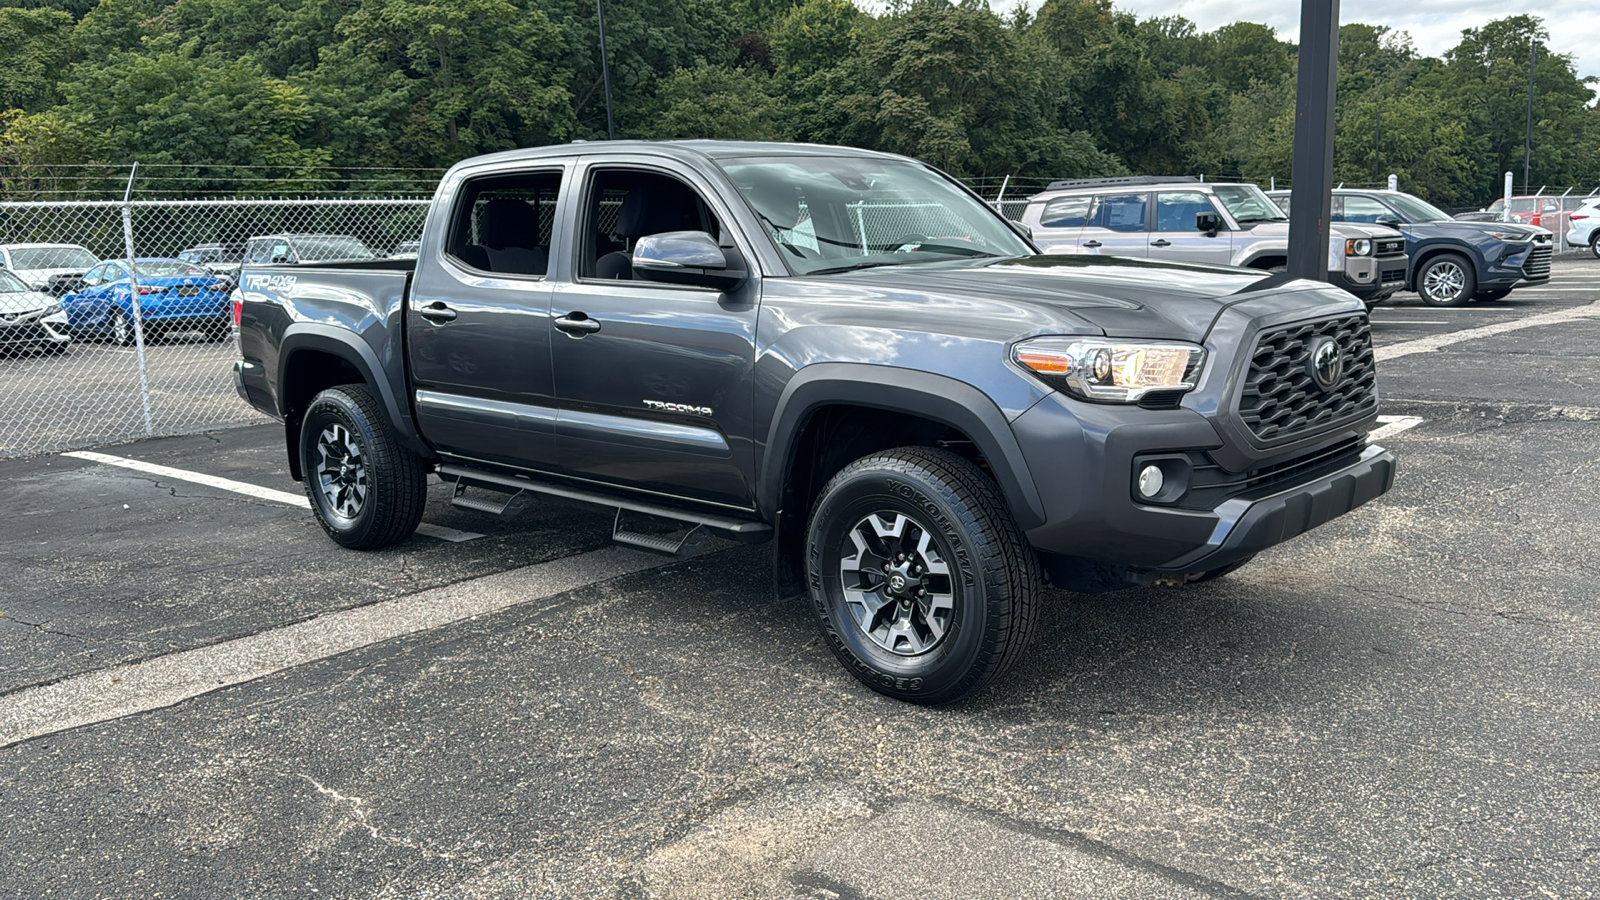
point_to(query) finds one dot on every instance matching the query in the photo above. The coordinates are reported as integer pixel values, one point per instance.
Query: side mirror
(685, 257)
(1210, 223)
(1390, 221)
(1022, 230)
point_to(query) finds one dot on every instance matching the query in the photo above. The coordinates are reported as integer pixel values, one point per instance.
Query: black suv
(1452, 261)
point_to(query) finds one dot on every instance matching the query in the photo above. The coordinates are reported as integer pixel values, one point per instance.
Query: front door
(653, 380)
(478, 321)
(1177, 239)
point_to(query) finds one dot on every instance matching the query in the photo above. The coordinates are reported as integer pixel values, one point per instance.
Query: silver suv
(1186, 220)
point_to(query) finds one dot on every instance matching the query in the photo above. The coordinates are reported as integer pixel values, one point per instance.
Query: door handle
(1161, 243)
(437, 313)
(577, 324)
(1091, 244)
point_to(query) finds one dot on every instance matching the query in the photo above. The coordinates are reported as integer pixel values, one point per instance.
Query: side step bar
(513, 505)
(741, 530)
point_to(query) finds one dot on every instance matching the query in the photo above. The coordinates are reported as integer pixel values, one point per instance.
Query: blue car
(173, 296)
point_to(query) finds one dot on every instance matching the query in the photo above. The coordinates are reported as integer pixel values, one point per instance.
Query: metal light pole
(1527, 140)
(1311, 197)
(605, 69)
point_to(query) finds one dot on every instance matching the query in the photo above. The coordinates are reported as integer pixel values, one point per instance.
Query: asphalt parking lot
(202, 696)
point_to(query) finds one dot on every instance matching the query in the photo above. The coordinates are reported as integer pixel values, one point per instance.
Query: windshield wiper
(877, 263)
(1263, 219)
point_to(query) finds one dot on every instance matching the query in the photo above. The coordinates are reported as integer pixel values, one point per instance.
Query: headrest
(654, 206)
(508, 222)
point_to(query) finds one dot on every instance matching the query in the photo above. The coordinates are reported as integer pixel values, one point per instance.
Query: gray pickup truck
(846, 354)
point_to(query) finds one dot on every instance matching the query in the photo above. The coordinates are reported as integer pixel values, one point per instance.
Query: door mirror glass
(1390, 221)
(1209, 222)
(684, 257)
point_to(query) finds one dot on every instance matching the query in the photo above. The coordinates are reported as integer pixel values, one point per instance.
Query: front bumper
(1247, 525)
(1372, 278)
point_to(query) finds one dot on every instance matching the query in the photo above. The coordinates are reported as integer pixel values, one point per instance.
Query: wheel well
(307, 373)
(833, 437)
(1428, 256)
(1267, 262)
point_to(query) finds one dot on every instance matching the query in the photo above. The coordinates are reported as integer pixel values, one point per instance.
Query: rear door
(654, 380)
(1118, 226)
(1060, 223)
(478, 318)
(1175, 236)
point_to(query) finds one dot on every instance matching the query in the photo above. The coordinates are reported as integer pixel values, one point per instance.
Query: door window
(1361, 209)
(1176, 212)
(504, 223)
(625, 205)
(1119, 212)
(1065, 212)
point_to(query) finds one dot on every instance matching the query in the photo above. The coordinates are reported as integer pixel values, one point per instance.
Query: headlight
(1358, 247)
(1510, 238)
(1112, 371)
(51, 310)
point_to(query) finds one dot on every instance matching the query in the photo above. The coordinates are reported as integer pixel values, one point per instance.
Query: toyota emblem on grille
(1326, 363)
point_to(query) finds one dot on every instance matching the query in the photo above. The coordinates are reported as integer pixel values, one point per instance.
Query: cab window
(503, 223)
(625, 205)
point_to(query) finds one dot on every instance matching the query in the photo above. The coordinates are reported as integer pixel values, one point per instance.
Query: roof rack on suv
(1123, 179)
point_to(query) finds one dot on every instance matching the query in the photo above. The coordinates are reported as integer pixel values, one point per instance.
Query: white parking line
(440, 532)
(1429, 344)
(1393, 425)
(166, 680)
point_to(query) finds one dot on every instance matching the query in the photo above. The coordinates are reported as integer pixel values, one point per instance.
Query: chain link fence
(95, 351)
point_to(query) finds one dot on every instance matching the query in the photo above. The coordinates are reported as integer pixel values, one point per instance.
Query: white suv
(1182, 219)
(1583, 226)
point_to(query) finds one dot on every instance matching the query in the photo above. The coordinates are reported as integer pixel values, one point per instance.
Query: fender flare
(935, 397)
(348, 346)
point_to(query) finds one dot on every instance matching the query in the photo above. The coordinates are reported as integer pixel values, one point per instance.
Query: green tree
(713, 102)
(35, 48)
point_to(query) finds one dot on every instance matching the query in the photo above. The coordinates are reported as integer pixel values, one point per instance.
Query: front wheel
(919, 577)
(1447, 280)
(367, 491)
(121, 328)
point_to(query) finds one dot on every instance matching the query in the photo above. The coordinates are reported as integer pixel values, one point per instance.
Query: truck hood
(1120, 297)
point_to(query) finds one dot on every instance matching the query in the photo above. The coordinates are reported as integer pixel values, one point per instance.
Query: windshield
(11, 284)
(830, 214)
(52, 258)
(331, 247)
(1246, 203)
(1415, 210)
(168, 268)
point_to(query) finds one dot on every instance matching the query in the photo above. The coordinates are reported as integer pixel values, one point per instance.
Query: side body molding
(936, 397)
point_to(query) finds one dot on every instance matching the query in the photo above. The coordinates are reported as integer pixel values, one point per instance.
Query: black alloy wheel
(920, 580)
(366, 490)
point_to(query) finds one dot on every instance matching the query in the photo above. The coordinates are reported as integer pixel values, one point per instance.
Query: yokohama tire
(366, 490)
(1447, 280)
(979, 581)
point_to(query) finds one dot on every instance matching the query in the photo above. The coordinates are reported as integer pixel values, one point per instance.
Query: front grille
(1538, 264)
(1386, 248)
(1281, 401)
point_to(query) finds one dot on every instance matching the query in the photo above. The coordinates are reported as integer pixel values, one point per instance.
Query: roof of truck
(697, 149)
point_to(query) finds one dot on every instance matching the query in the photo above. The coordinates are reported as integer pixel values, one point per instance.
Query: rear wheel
(367, 491)
(919, 577)
(1446, 280)
(121, 329)
(1594, 244)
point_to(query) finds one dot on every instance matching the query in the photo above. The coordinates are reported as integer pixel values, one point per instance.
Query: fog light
(1151, 481)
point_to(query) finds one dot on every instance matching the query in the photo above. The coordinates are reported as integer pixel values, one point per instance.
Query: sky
(1434, 25)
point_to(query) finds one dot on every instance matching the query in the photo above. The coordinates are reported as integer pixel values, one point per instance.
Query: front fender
(936, 397)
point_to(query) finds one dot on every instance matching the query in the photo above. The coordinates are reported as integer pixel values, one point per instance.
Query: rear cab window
(504, 223)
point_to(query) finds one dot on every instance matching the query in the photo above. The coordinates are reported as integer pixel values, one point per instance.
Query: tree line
(1077, 88)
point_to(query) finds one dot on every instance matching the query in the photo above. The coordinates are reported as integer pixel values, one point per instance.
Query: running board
(743, 530)
(679, 545)
(511, 506)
